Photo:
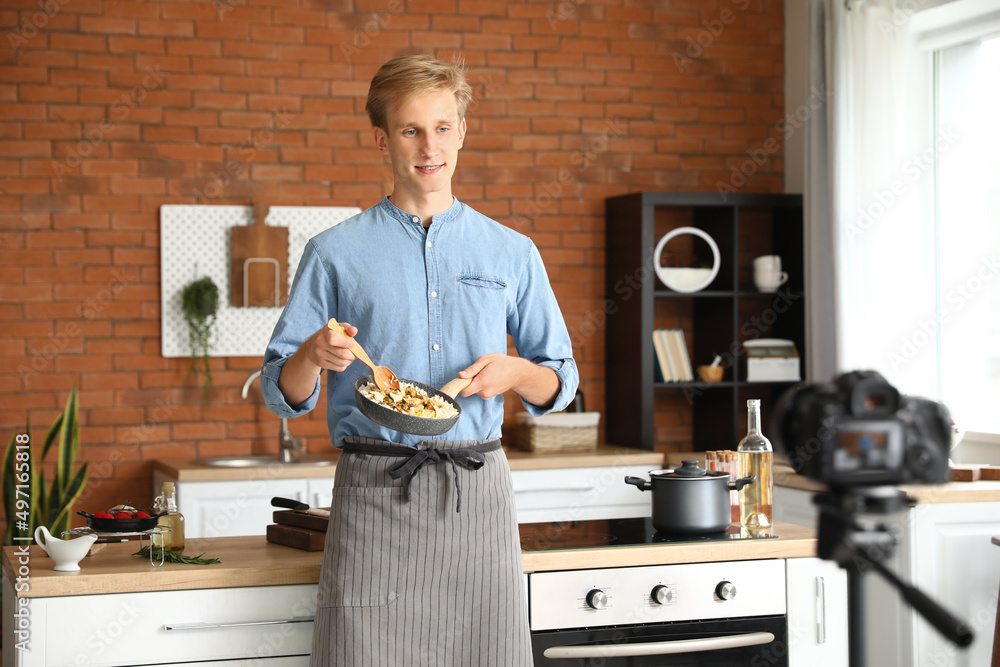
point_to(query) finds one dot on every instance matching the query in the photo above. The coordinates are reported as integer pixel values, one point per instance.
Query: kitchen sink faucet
(286, 443)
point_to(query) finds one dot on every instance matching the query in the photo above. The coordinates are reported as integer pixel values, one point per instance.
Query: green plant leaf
(69, 445)
(9, 483)
(53, 434)
(61, 521)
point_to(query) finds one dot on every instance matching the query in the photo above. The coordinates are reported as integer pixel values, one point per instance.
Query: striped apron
(422, 560)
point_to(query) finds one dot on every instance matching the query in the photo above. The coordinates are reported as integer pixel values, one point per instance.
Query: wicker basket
(563, 431)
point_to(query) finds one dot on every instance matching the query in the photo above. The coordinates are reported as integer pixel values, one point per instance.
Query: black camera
(859, 431)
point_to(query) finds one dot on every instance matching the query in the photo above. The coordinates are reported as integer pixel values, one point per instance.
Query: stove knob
(662, 594)
(597, 599)
(725, 590)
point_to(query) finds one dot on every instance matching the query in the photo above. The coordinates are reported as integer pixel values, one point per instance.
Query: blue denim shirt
(427, 303)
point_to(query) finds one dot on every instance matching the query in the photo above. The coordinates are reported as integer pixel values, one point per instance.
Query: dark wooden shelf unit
(715, 320)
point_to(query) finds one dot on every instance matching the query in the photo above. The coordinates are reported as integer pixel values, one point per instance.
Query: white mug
(767, 263)
(769, 281)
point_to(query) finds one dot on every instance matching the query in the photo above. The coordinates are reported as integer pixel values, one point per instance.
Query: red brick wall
(109, 110)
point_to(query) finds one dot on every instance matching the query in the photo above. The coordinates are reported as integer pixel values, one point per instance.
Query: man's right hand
(325, 349)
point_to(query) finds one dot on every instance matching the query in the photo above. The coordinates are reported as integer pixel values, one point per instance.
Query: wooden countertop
(980, 491)
(792, 542)
(111, 568)
(186, 470)
(252, 561)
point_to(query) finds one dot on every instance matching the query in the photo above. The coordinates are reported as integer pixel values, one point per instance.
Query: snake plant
(27, 502)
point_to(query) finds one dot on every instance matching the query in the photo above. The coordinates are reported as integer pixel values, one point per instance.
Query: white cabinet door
(198, 627)
(577, 494)
(240, 507)
(229, 508)
(795, 506)
(320, 492)
(943, 549)
(243, 507)
(952, 545)
(816, 597)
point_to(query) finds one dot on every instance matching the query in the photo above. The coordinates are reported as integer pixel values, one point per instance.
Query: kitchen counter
(252, 561)
(188, 470)
(792, 542)
(979, 491)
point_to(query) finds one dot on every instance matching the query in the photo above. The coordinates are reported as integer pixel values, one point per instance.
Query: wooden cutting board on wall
(259, 262)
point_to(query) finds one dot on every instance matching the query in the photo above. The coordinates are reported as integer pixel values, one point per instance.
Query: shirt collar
(391, 209)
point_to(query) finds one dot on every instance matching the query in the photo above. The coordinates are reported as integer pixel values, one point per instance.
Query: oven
(723, 614)
(729, 614)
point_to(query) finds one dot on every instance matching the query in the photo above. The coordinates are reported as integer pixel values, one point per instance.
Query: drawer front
(206, 625)
(576, 494)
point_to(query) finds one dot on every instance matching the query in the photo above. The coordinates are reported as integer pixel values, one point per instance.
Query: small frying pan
(397, 421)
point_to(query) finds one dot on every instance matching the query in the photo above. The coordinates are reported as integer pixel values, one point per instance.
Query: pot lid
(689, 469)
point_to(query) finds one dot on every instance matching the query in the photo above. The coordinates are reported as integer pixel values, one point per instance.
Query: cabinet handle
(237, 624)
(820, 610)
(557, 489)
(674, 647)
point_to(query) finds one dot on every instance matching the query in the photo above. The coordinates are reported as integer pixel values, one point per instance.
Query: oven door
(746, 642)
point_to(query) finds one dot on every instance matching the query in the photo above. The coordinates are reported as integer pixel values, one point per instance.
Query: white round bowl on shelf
(686, 280)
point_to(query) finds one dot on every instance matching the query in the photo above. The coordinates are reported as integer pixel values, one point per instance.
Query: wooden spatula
(384, 378)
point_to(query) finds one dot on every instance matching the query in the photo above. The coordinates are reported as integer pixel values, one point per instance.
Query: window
(967, 229)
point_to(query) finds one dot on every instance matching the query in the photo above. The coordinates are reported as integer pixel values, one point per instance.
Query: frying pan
(397, 421)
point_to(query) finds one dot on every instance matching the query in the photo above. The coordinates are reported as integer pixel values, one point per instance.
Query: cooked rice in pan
(410, 400)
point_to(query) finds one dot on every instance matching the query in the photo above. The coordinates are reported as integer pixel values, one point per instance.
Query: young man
(422, 561)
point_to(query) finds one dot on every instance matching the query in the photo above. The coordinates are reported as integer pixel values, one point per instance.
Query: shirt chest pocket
(484, 297)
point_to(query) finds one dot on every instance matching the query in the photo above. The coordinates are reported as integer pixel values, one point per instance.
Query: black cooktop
(613, 533)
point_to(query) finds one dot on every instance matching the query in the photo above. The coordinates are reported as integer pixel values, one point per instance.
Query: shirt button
(436, 347)
(429, 244)
(434, 295)
(416, 219)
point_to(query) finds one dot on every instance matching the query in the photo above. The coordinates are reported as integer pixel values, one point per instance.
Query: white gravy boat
(67, 554)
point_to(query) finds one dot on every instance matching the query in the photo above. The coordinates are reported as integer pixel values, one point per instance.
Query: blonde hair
(405, 77)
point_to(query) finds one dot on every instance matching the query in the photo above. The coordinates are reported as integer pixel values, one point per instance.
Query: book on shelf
(687, 371)
(661, 357)
(673, 362)
(675, 353)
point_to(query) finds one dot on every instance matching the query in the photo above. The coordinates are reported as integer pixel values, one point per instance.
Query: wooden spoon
(384, 378)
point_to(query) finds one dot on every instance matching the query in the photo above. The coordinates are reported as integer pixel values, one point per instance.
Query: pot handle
(741, 482)
(640, 483)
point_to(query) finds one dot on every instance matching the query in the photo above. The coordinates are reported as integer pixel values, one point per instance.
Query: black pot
(690, 499)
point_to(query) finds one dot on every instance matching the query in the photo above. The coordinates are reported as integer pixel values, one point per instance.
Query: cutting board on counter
(299, 530)
(301, 520)
(295, 537)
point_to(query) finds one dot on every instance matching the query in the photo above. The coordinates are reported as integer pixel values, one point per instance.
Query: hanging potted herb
(200, 303)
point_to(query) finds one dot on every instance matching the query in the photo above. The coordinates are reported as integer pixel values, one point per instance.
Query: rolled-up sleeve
(539, 331)
(309, 304)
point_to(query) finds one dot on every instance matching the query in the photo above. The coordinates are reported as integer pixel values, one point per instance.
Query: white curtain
(870, 244)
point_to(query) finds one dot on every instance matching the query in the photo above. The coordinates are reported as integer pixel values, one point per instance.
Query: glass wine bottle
(754, 454)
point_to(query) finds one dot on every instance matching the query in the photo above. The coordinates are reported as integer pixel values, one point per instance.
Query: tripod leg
(855, 618)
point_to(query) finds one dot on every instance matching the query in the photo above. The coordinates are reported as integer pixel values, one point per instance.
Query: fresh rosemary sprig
(175, 557)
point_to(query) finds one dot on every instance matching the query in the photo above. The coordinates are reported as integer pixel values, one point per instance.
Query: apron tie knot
(470, 459)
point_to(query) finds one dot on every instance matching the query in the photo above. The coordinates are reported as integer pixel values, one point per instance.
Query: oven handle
(658, 648)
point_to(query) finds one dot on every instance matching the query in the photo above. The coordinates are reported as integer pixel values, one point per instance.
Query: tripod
(857, 547)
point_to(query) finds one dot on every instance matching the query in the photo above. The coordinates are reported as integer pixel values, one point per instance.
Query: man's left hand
(493, 374)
